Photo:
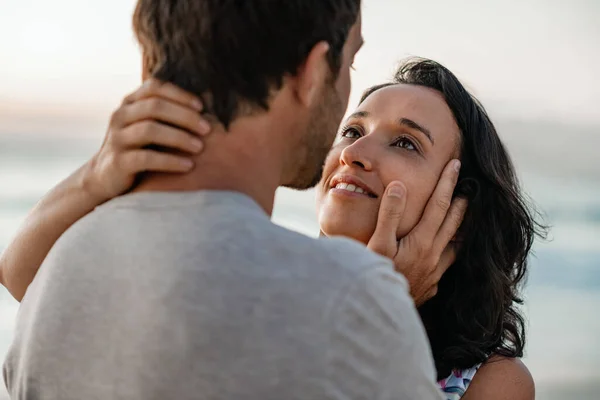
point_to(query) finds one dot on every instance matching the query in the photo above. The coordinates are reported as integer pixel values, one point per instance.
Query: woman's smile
(351, 186)
(401, 133)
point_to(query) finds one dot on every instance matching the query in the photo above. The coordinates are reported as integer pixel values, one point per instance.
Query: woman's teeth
(349, 187)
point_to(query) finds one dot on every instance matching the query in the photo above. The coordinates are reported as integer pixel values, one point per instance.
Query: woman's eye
(406, 144)
(351, 133)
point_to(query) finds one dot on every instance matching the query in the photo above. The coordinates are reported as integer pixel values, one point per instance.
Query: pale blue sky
(526, 57)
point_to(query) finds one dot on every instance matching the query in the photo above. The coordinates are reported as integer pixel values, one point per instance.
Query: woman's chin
(359, 233)
(346, 219)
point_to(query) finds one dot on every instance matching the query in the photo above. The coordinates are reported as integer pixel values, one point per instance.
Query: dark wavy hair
(476, 312)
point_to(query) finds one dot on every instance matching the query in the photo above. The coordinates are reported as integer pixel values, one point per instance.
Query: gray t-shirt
(199, 296)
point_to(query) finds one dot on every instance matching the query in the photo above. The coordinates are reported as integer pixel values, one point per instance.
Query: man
(185, 289)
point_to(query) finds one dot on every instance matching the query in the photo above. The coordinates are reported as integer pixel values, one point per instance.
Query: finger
(447, 258)
(150, 132)
(156, 88)
(153, 88)
(423, 297)
(385, 240)
(452, 222)
(163, 110)
(439, 203)
(137, 161)
(430, 294)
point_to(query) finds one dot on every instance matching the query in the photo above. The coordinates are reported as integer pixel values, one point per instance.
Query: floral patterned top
(455, 386)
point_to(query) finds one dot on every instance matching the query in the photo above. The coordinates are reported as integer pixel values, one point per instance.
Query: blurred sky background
(66, 64)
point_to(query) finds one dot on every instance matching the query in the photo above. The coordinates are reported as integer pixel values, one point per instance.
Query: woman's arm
(137, 124)
(50, 218)
(502, 378)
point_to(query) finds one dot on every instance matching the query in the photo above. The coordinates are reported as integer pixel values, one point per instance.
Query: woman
(406, 130)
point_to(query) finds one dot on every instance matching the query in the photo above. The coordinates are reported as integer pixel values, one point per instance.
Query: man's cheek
(343, 87)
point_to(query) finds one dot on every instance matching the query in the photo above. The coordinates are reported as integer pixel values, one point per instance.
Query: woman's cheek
(328, 169)
(418, 195)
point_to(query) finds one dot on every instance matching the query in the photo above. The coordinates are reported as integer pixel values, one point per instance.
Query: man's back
(199, 296)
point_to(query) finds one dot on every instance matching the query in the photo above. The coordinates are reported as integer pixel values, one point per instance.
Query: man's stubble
(317, 140)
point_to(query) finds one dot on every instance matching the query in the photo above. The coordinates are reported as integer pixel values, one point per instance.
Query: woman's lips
(351, 185)
(348, 189)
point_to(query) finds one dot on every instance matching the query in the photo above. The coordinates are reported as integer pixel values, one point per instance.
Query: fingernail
(457, 165)
(187, 164)
(197, 144)
(396, 191)
(197, 104)
(204, 127)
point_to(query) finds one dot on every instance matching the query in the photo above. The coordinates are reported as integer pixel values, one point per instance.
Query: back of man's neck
(228, 163)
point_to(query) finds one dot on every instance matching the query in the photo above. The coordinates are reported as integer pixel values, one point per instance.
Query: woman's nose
(356, 155)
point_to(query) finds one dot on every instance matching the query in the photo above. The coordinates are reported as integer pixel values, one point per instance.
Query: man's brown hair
(230, 52)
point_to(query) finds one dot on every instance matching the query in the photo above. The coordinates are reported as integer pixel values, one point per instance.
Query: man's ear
(312, 75)
(145, 73)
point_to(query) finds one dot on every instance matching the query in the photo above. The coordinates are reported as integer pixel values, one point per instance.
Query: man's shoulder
(341, 252)
(346, 250)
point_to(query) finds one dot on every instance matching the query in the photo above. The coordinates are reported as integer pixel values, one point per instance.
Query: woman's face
(399, 133)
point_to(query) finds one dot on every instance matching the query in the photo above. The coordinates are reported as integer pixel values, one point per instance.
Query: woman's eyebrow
(413, 125)
(359, 114)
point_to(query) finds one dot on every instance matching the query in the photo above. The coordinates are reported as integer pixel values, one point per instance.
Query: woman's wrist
(87, 183)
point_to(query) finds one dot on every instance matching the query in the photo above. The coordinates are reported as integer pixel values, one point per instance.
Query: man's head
(239, 56)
